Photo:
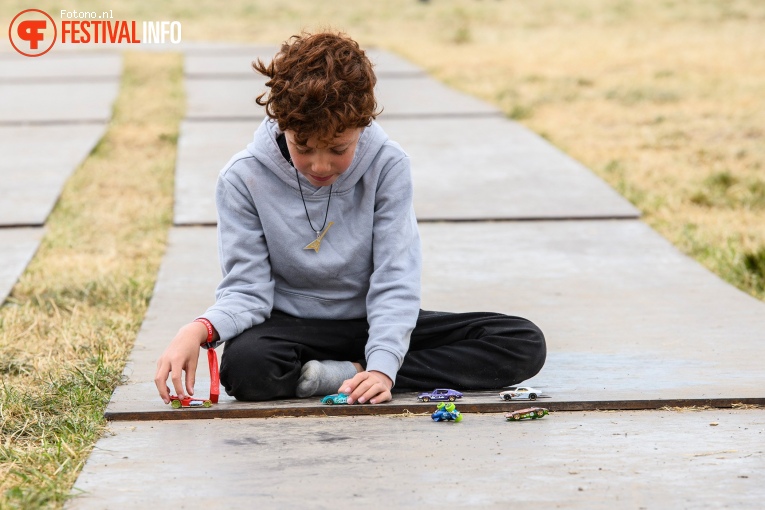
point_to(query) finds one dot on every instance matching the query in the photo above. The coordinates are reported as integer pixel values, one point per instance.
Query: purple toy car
(440, 394)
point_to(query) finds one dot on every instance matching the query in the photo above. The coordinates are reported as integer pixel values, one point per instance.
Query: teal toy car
(337, 398)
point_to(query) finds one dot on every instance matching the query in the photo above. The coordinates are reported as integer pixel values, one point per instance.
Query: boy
(320, 255)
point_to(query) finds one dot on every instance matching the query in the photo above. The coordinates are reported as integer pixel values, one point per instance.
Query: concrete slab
(591, 460)
(235, 62)
(627, 318)
(229, 63)
(390, 65)
(45, 103)
(37, 161)
(185, 287)
(203, 150)
(468, 169)
(224, 98)
(625, 314)
(422, 97)
(61, 67)
(18, 247)
(405, 97)
(493, 168)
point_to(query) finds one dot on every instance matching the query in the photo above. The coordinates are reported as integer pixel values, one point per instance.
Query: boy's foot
(323, 377)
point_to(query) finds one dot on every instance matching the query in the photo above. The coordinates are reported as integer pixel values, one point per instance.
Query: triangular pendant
(315, 245)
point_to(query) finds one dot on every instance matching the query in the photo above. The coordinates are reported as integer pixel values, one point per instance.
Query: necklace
(316, 244)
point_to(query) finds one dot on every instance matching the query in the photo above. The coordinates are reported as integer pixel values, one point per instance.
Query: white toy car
(524, 392)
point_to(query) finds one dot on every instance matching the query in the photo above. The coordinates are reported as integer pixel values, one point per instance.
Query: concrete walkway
(631, 323)
(585, 460)
(53, 111)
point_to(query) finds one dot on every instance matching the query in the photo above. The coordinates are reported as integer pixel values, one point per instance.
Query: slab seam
(421, 408)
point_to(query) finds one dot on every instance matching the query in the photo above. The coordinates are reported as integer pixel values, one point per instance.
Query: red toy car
(177, 403)
(212, 360)
(529, 413)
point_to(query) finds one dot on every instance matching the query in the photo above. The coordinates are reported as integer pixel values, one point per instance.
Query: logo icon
(32, 32)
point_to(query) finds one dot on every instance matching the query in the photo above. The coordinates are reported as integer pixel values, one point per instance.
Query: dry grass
(67, 328)
(664, 105)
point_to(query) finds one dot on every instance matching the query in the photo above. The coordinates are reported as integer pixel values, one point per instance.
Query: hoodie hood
(266, 150)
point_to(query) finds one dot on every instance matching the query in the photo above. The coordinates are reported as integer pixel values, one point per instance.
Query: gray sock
(323, 377)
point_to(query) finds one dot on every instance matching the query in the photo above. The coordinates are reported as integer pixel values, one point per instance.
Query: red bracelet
(209, 327)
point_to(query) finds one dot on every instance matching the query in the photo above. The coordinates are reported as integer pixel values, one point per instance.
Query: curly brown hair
(321, 84)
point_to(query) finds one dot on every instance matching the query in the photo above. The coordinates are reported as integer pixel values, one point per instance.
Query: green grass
(50, 428)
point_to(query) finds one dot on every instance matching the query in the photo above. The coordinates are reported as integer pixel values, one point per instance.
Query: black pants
(464, 351)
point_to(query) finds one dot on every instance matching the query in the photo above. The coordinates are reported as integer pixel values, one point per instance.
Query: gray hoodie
(369, 262)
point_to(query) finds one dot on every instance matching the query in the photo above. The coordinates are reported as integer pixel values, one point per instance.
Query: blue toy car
(337, 398)
(447, 412)
(440, 394)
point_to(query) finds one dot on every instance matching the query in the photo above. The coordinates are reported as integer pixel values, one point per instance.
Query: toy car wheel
(532, 396)
(516, 416)
(452, 398)
(426, 399)
(175, 404)
(329, 402)
(540, 414)
(207, 403)
(507, 397)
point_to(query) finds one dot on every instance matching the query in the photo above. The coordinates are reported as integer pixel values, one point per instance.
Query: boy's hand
(181, 355)
(373, 387)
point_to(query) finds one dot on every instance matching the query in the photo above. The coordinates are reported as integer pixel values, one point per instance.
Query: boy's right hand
(181, 355)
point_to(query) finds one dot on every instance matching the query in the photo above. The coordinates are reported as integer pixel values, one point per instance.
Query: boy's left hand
(373, 387)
